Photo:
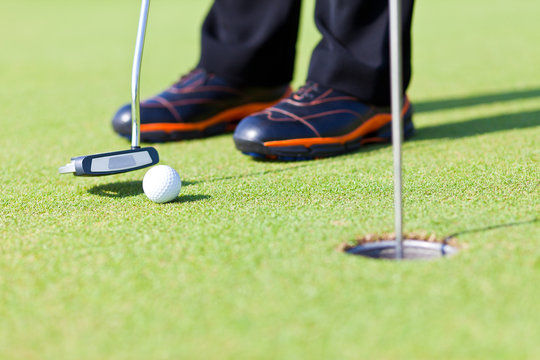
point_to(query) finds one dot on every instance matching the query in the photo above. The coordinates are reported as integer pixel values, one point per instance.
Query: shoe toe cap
(252, 129)
(121, 121)
(259, 128)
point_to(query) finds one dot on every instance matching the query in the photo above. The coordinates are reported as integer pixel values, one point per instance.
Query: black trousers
(253, 42)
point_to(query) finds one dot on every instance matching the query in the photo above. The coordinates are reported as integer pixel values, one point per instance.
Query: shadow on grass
(298, 165)
(484, 125)
(434, 105)
(125, 189)
(189, 198)
(492, 227)
(120, 189)
(260, 173)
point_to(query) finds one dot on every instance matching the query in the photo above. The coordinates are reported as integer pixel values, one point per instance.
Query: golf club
(396, 85)
(127, 160)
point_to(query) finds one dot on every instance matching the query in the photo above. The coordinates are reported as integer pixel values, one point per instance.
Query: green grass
(244, 265)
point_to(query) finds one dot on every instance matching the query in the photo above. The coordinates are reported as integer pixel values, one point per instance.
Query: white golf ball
(161, 184)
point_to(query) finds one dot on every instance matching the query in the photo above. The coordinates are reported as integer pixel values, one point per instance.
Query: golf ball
(161, 184)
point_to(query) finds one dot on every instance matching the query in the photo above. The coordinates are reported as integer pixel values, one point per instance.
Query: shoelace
(306, 92)
(185, 79)
(189, 75)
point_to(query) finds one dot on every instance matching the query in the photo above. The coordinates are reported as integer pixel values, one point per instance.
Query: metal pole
(397, 104)
(136, 76)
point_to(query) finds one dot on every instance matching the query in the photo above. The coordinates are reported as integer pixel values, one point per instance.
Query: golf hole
(415, 247)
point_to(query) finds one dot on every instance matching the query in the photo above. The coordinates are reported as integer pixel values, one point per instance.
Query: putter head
(111, 163)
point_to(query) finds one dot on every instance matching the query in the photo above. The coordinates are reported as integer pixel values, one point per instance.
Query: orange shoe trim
(228, 115)
(371, 125)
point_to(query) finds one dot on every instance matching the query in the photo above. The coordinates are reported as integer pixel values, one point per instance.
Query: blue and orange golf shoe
(200, 104)
(316, 122)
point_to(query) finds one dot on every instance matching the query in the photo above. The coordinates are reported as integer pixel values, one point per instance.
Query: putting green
(244, 265)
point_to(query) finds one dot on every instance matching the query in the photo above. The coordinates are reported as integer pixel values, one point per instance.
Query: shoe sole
(223, 122)
(377, 129)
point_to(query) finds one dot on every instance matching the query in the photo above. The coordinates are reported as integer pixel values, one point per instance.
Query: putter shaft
(136, 76)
